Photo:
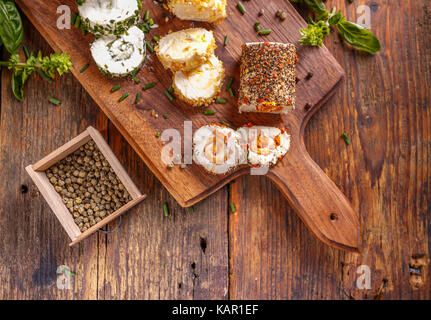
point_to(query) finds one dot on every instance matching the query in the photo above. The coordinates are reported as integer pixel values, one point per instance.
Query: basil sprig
(11, 30)
(352, 33)
(11, 35)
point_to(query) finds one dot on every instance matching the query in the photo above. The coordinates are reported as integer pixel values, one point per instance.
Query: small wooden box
(37, 173)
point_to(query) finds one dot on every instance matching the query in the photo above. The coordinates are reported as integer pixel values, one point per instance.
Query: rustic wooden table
(263, 251)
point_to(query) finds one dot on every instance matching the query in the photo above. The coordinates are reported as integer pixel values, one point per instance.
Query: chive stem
(226, 40)
(124, 96)
(221, 101)
(149, 85)
(241, 8)
(77, 23)
(231, 92)
(138, 97)
(257, 26)
(147, 15)
(208, 112)
(232, 207)
(168, 94)
(165, 209)
(229, 84)
(55, 101)
(192, 209)
(26, 52)
(149, 46)
(346, 138)
(84, 68)
(44, 76)
(115, 88)
(166, 116)
(264, 32)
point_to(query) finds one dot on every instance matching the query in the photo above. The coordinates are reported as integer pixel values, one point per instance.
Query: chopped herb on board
(84, 68)
(149, 46)
(169, 95)
(209, 112)
(165, 209)
(229, 84)
(221, 101)
(158, 134)
(264, 32)
(123, 97)
(149, 85)
(232, 207)
(115, 88)
(138, 97)
(346, 138)
(55, 101)
(241, 8)
(192, 209)
(226, 40)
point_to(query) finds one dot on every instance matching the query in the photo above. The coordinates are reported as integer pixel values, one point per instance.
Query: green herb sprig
(352, 33)
(11, 35)
(50, 65)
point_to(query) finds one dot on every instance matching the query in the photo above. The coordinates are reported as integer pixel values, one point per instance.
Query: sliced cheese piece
(202, 85)
(266, 145)
(213, 11)
(218, 148)
(185, 50)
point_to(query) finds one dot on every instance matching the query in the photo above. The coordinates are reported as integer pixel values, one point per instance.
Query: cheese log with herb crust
(185, 50)
(213, 11)
(102, 17)
(201, 85)
(119, 56)
(267, 77)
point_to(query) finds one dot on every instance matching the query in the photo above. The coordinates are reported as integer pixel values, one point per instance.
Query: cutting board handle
(316, 199)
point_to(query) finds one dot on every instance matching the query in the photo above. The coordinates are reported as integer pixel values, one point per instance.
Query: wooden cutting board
(316, 199)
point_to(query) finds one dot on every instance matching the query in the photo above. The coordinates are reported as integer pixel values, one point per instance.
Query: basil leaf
(11, 30)
(19, 78)
(358, 36)
(317, 6)
(16, 83)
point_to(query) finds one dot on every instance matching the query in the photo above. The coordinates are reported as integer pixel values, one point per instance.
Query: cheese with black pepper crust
(267, 77)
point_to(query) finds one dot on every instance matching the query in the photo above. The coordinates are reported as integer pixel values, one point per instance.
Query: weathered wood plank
(384, 106)
(32, 241)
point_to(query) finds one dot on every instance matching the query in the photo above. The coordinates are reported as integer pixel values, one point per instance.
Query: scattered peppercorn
(261, 12)
(309, 75)
(88, 186)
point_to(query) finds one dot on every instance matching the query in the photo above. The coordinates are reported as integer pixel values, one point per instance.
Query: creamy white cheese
(119, 55)
(201, 85)
(218, 149)
(199, 10)
(266, 145)
(185, 50)
(109, 16)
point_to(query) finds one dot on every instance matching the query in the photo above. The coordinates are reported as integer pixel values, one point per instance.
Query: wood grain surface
(263, 251)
